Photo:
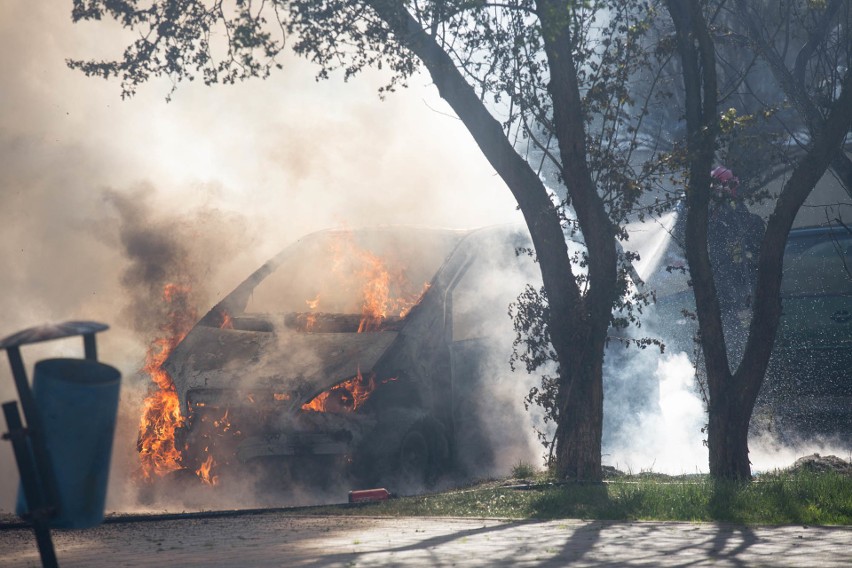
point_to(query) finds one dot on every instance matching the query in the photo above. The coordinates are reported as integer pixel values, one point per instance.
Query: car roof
(812, 231)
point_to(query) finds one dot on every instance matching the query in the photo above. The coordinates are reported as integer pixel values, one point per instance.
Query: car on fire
(358, 351)
(370, 353)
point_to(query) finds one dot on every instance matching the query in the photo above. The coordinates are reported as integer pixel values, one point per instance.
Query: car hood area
(296, 365)
(324, 310)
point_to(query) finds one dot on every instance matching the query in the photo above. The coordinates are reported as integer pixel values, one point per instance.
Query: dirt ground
(282, 539)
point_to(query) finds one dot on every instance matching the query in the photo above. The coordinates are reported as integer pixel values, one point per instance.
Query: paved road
(280, 539)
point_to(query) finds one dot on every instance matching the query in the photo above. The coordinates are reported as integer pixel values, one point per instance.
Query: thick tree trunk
(727, 436)
(697, 55)
(732, 395)
(580, 428)
(575, 316)
(579, 336)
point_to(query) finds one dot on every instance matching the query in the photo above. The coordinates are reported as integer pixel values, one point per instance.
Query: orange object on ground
(367, 495)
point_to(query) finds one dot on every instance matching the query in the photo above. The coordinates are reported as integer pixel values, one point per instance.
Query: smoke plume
(101, 200)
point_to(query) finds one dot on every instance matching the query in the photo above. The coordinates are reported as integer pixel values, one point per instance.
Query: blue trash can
(77, 400)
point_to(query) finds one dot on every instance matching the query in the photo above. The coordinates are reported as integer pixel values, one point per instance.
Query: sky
(234, 173)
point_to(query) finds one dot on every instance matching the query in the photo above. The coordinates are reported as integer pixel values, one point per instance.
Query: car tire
(408, 451)
(423, 454)
(415, 459)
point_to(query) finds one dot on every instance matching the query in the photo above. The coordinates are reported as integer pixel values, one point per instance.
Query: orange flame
(227, 321)
(223, 423)
(406, 305)
(383, 291)
(203, 472)
(344, 397)
(375, 293)
(161, 409)
(311, 318)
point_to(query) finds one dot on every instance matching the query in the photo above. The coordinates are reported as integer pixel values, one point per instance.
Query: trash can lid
(52, 331)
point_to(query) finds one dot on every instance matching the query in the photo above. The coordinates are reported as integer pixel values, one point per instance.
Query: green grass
(523, 470)
(778, 499)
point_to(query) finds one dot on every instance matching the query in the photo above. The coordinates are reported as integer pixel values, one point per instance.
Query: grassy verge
(803, 498)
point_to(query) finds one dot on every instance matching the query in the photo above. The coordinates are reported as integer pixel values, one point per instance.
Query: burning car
(361, 351)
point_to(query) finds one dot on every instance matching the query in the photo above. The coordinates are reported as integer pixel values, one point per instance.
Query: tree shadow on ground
(533, 549)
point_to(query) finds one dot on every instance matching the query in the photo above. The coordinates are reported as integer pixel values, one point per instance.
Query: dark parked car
(808, 386)
(358, 351)
(809, 382)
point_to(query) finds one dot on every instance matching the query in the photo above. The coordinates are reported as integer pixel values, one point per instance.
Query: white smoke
(239, 171)
(663, 431)
(662, 434)
(282, 157)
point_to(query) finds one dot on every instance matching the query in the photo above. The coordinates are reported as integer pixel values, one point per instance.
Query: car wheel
(406, 451)
(423, 454)
(415, 456)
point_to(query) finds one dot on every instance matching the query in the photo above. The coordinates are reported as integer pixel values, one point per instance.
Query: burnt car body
(383, 397)
(808, 385)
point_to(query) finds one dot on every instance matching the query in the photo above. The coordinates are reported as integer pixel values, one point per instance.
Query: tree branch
(806, 174)
(530, 193)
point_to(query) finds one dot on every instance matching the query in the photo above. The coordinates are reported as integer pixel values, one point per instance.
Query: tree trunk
(732, 395)
(574, 315)
(727, 436)
(580, 428)
(578, 332)
(697, 55)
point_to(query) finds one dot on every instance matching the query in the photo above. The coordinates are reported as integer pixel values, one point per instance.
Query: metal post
(34, 427)
(19, 373)
(40, 508)
(89, 347)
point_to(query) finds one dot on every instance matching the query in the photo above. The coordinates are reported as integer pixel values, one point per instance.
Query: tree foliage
(544, 89)
(733, 386)
(560, 96)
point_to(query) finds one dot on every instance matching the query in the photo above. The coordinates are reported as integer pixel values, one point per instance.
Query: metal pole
(40, 509)
(89, 347)
(19, 373)
(34, 428)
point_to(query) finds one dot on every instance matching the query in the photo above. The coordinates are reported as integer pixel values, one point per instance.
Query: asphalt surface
(282, 539)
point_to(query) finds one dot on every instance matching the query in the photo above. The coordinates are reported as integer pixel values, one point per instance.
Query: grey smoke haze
(234, 173)
(159, 247)
(102, 199)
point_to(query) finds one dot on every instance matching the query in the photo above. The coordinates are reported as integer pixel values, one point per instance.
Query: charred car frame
(286, 369)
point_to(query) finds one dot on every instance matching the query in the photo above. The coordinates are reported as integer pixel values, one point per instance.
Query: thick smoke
(497, 432)
(189, 249)
(655, 412)
(205, 189)
(161, 249)
(655, 415)
(217, 180)
(488, 443)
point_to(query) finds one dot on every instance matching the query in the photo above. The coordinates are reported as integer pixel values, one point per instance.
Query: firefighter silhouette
(733, 243)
